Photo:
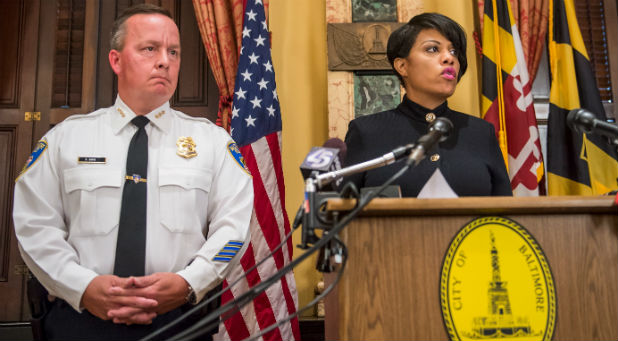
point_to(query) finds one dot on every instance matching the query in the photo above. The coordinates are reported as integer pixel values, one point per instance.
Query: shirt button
(435, 157)
(430, 117)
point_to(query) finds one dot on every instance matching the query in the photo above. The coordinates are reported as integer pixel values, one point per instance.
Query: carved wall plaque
(359, 46)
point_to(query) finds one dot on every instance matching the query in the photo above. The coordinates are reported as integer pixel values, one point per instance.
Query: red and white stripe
(269, 226)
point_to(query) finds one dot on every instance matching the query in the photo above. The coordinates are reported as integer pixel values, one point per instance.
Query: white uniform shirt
(66, 212)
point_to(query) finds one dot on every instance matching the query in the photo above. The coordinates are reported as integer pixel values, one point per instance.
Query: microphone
(337, 144)
(319, 160)
(439, 130)
(583, 121)
(325, 159)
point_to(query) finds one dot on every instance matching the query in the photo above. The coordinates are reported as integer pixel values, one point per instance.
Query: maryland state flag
(507, 99)
(577, 164)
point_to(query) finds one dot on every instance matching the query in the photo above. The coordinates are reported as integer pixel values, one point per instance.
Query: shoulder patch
(237, 155)
(40, 148)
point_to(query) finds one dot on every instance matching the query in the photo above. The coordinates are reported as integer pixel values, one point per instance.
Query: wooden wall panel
(197, 93)
(7, 163)
(69, 54)
(9, 58)
(19, 24)
(66, 61)
(192, 83)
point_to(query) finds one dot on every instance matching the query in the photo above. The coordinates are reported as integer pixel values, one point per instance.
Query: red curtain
(220, 23)
(532, 18)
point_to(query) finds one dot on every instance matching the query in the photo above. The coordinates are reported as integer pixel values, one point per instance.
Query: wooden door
(66, 61)
(19, 24)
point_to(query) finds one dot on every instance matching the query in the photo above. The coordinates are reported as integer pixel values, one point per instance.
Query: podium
(390, 289)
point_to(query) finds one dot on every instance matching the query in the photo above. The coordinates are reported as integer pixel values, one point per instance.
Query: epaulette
(192, 118)
(88, 116)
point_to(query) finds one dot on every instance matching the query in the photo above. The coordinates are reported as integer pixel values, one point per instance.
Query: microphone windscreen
(442, 125)
(571, 118)
(335, 142)
(580, 120)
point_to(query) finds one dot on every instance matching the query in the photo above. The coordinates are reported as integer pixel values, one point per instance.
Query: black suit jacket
(469, 159)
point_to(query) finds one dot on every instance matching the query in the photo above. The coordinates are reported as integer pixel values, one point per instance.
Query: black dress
(469, 159)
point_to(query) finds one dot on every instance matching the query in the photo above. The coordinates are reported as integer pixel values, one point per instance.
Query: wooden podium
(391, 287)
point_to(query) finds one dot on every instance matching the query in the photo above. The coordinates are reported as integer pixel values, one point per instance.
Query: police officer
(86, 220)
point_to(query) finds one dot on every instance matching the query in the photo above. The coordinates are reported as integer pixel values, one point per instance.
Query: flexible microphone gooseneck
(439, 130)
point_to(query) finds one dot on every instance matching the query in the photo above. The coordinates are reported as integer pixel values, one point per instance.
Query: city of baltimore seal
(496, 284)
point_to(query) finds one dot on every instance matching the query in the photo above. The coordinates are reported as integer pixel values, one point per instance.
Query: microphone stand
(313, 216)
(439, 131)
(322, 180)
(317, 181)
(312, 219)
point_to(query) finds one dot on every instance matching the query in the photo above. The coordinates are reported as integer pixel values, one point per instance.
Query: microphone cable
(199, 306)
(199, 327)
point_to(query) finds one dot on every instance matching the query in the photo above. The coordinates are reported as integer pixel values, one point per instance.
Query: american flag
(256, 128)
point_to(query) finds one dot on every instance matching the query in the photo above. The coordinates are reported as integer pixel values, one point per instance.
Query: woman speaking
(428, 54)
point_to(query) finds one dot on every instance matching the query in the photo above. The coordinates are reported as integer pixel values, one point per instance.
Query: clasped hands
(134, 300)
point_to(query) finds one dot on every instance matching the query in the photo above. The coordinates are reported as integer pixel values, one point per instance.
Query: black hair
(401, 40)
(119, 28)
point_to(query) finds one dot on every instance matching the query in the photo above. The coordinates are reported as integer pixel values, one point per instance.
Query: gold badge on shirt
(186, 147)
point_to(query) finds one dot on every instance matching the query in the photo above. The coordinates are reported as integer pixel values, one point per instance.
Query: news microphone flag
(256, 128)
(507, 99)
(325, 159)
(577, 164)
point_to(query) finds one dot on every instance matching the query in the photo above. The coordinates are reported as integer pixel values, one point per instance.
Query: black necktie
(131, 243)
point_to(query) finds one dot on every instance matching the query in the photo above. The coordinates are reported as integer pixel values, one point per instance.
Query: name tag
(91, 159)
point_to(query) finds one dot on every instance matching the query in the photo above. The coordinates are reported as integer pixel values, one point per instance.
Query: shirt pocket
(98, 192)
(183, 198)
